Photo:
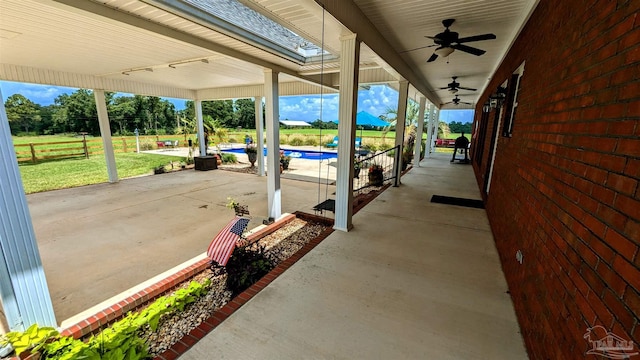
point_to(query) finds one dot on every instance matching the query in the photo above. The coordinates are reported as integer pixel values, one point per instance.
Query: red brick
(632, 231)
(621, 244)
(623, 184)
(630, 147)
(612, 217)
(633, 167)
(595, 282)
(602, 194)
(612, 163)
(628, 206)
(622, 314)
(632, 300)
(612, 278)
(629, 272)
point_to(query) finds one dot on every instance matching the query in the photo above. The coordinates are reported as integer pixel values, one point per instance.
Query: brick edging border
(94, 323)
(237, 302)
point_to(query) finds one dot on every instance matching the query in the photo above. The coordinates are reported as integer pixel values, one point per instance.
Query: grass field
(66, 173)
(74, 172)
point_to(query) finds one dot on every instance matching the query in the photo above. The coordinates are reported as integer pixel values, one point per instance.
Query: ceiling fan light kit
(444, 51)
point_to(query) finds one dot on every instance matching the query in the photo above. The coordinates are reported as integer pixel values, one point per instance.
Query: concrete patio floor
(413, 280)
(100, 240)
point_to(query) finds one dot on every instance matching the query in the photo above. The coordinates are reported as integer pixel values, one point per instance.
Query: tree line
(151, 115)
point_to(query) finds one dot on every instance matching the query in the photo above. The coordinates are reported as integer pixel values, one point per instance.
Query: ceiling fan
(449, 41)
(457, 101)
(454, 86)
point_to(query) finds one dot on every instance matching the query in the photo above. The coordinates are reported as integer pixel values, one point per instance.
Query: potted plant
(376, 175)
(252, 152)
(284, 160)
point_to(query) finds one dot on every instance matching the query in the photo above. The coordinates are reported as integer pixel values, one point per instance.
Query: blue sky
(375, 100)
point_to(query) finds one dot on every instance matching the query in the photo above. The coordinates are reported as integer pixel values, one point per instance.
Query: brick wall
(565, 187)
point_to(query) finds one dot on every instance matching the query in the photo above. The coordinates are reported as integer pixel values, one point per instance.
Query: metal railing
(372, 171)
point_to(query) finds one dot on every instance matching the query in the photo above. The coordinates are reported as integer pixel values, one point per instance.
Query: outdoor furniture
(205, 163)
(160, 144)
(171, 143)
(333, 144)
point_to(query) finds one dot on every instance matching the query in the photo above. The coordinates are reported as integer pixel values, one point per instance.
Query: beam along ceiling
(146, 42)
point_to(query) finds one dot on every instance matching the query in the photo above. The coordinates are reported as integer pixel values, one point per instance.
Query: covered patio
(555, 154)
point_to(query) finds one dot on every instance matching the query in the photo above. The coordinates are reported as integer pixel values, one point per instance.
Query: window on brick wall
(511, 104)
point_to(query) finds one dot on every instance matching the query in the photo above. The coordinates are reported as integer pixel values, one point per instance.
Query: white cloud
(39, 94)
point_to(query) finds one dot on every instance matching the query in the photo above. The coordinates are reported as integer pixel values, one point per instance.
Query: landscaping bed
(282, 243)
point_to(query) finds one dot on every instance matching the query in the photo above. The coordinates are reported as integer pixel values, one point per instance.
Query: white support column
(23, 286)
(418, 146)
(403, 97)
(259, 135)
(272, 122)
(349, 60)
(430, 122)
(105, 132)
(199, 119)
(435, 127)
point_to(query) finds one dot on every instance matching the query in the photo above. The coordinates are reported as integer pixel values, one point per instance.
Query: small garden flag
(223, 244)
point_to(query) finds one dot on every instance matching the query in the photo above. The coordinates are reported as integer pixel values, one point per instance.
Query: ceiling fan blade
(476, 38)
(433, 57)
(432, 37)
(468, 49)
(466, 88)
(466, 103)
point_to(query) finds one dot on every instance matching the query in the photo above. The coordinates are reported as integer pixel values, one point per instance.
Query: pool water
(298, 154)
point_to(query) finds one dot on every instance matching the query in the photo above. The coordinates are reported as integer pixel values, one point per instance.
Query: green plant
(232, 203)
(376, 175)
(310, 141)
(251, 149)
(296, 140)
(119, 341)
(229, 158)
(146, 145)
(284, 160)
(32, 339)
(69, 348)
(246, 266)
(159, 169)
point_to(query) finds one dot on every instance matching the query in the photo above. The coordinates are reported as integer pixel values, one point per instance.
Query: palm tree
(411, 121)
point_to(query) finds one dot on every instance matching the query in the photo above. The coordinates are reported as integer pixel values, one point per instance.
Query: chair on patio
(333, 144)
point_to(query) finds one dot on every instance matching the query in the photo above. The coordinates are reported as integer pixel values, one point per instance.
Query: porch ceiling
(129, 45)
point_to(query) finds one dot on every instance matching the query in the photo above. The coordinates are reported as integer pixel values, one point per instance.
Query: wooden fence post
(84, 145)
(33, 152)
(124, 144)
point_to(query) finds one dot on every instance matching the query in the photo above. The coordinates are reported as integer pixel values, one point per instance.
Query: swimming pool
(298, 154)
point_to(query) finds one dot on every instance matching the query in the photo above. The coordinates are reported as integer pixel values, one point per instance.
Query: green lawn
(68, 173)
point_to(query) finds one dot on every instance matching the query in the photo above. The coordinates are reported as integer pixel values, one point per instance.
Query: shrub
(147, 145)
(369, 146)
(284, 139)
(311, 140)
(296, 140)
(246, 266)
(228, 158)
(326, 139)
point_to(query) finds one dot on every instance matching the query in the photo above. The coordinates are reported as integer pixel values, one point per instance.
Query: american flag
(223, 244)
